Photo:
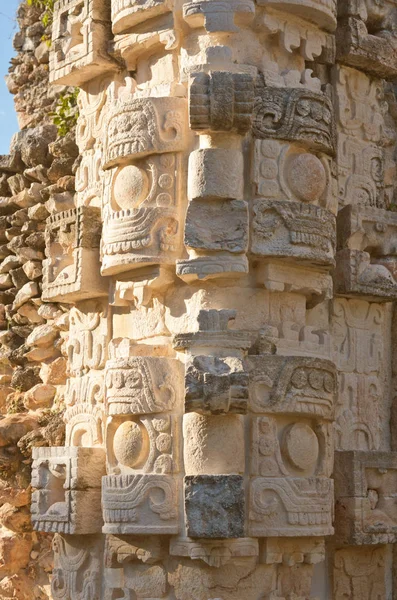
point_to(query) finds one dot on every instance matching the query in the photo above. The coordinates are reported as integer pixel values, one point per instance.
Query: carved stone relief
(70, 270)
(80, 34)
(231, 266)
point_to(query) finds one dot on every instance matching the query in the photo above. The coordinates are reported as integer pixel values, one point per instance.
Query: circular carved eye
(166, 181)
(300, 446)
(163, 442)
(316, 379)
(299, 379)
(329, 383)
(269, 169)
(131, 186)
(130, 444)
(306, 177)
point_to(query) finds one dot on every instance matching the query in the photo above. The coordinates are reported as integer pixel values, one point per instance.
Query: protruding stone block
(367, 253)
(215, 506)
(140, 504)
(290, 507)
(365, 489)
(216, 385)
(221, 101)
(214, 335)
(322, 13)
(220, 226)
(294, 114)
(80, 35)
(128, 13)
(357, 275)
(365, 37)
(148, 444)
(139, 127)
(143, 385)
(66, 483)
(285, 171)
(71, 269)
(215, 16)
(293, 230)
(292, 384)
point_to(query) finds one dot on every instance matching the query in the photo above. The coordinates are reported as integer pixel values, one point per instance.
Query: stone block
(142, 214)
(288, 446)
(144, 581)
(365, 490)
(220, 226)
(143, 385)
(214, 506)
(77, 566)
(80, 35)
(293, 114)
(221, 101)
(322, 13)
(356, 275)
(215, 553)
(71, 269)
(84, 422)
(212, 333)
(76, 468)
(362, 570)
(293, 231)
(365, 42)
(129, 13)
(140, 504)
(292, 384)
(213, 445)
(216, 385)
(66, 483)
(87, 345)
(220, 265)
(216, 174)
(285, 171)
(139, 127)
(367, 256)
(290, 506)
(214, 16)
(294, 563)
(277, 276)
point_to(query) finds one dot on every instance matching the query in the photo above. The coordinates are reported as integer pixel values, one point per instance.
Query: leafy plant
(66, 112)
(47, 6)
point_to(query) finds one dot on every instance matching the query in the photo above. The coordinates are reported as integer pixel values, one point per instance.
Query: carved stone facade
(231, 266)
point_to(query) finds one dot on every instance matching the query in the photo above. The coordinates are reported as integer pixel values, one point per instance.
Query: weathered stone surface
(196, 305)
(214, 506)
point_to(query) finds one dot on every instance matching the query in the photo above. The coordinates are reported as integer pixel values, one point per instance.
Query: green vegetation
(66, 112)
(48, 10)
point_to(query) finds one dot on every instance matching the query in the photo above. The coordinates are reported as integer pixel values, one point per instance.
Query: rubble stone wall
(36, 181)
(199, 332)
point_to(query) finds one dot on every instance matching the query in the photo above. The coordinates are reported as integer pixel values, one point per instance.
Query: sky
(8, 27)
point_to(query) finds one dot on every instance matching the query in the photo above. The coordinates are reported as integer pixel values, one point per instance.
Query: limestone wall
(36, 180)
(213, 318)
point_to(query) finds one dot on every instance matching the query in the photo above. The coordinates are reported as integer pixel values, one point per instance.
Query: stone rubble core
(228, 267)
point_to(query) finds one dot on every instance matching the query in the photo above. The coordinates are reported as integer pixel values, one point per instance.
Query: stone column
(232, 183)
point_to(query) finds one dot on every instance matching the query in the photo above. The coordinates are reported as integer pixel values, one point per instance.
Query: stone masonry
(199, 336)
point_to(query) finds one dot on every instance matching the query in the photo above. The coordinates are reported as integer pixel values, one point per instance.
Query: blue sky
(8, 27)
